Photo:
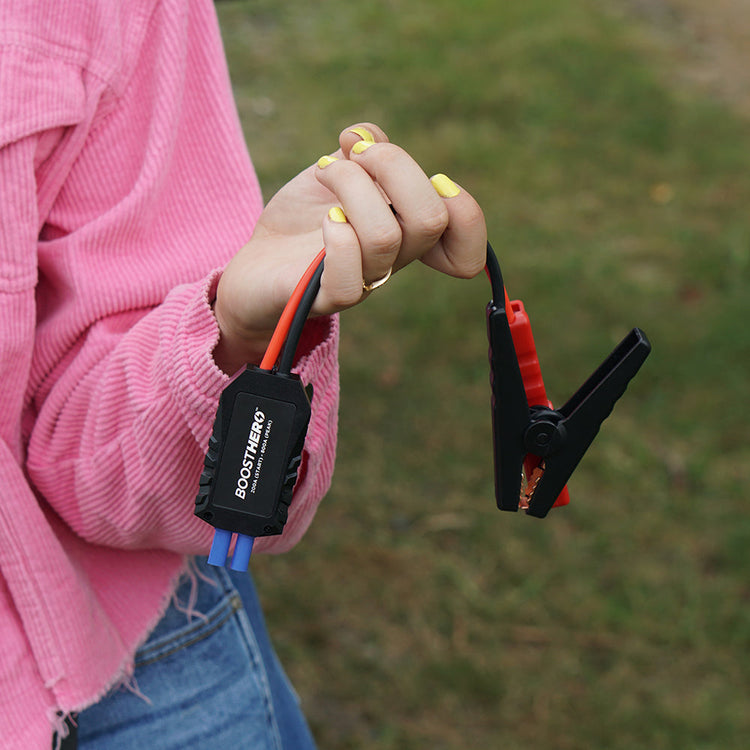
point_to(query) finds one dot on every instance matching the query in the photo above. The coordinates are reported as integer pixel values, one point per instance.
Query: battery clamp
(255, 449)
(537, 447)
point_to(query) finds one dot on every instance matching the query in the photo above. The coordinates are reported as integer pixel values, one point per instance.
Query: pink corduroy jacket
(125, 186)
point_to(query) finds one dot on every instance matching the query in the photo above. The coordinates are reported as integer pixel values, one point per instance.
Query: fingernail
(324, 161)
(364, 134)
(444, 186)
(336, 214)
(361, 146)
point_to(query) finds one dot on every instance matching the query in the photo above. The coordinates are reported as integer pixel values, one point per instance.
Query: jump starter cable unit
(255, 449)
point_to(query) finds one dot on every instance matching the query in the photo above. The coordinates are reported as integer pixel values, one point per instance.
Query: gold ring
(375, 284)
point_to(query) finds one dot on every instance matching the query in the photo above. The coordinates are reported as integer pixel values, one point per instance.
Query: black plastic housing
(254, 453)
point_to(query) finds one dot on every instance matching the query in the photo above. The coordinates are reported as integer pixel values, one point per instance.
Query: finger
(421, 213)
(341, 283)
(363, 131)
(462, 249)
(368, 211)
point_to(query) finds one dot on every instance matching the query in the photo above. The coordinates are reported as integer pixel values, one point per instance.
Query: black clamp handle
(547, 443)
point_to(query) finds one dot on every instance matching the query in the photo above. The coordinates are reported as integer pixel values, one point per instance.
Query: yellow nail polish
(324, 161)
(364, 134)
(361, 146)
(336, 214)
(444, 186)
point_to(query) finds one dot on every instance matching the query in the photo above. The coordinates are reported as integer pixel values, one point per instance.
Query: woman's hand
(386, 214)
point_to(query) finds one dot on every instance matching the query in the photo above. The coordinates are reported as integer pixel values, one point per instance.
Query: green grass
(414, 614)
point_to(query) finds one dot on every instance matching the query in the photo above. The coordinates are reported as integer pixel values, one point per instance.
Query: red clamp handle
(533, 384)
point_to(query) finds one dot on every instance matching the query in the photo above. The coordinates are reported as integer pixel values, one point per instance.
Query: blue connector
(243, 548)
(220, 547)
(242, 551)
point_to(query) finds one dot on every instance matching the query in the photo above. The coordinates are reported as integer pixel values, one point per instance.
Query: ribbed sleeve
(125, 187)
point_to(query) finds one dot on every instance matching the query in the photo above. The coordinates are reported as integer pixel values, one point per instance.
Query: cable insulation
(298, 321)
(282, 327)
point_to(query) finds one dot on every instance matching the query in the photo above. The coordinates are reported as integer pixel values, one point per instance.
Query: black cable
(286, 360)
(496, 277)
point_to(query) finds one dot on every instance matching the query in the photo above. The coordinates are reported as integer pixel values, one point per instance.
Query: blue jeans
(210, 681)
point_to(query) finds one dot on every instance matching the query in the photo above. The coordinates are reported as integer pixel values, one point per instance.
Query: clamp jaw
(530, 437)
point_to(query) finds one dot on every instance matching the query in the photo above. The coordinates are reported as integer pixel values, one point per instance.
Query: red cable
(282, 327)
